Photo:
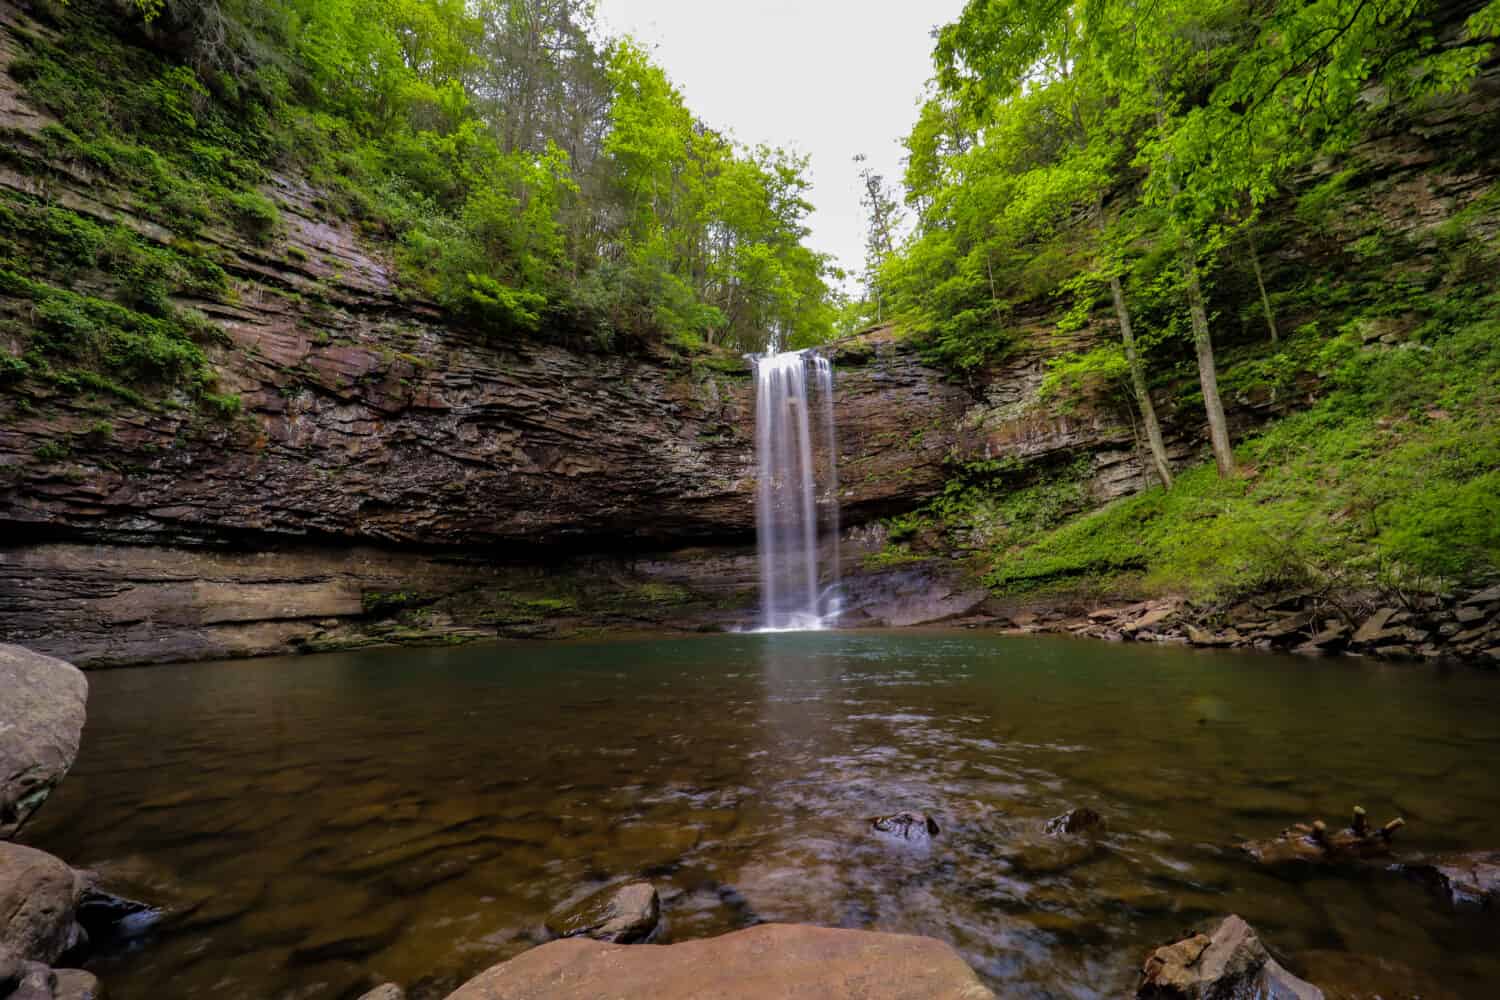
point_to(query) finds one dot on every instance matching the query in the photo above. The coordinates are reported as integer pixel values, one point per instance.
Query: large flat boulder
(786, 961)
(41, 721)
(38, 904)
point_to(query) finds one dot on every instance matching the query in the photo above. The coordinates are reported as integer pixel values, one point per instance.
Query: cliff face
(383, 449)
(394, 476)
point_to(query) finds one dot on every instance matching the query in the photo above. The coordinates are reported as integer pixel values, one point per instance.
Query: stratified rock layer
(41, 721)
(784, 961)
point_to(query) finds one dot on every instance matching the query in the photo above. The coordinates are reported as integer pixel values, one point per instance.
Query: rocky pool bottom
(322, 824)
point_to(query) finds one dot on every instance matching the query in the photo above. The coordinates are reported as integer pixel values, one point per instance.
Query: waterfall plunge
(797, 499)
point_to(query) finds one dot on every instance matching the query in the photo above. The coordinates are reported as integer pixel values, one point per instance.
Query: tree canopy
(536, 175)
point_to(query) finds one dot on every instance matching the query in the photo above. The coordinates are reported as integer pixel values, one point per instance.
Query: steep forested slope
(259, 366)
(1182, 219)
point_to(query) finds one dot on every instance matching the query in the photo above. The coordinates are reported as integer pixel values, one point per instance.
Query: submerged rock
(784, 961)
(41, 720)
(75, 984)
(1316, 843)
(914, 828)
(38, 904)
(617, 915)
(107, 917)
(1343, 975)
(1229, 964)
(1082, 820)
(1470, 881)
(30, 981)
(34, 981)
(385, 991)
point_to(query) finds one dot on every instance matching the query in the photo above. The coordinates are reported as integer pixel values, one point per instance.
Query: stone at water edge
(41, 721)
(767, 962)
(1228, 964)
(34, 981)
(385, 991)
(38, 905)
(1314, 842)
(616, 915)
(1075, 821)
(75, 984)
(1470, 881)
(30, 981)
(914, 828)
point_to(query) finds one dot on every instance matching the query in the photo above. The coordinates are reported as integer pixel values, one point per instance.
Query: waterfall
(797, 496)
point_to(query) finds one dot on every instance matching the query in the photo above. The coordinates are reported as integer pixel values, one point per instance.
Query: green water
(412, 815)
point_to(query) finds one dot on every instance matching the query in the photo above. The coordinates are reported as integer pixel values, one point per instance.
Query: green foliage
(52, 451)
(1389, 480)
(535, 177)
(97, 335)
(1101, 370)
(256, 213)
(385, 603)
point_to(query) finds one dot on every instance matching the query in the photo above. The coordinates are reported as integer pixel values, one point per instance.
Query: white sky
(830, 78)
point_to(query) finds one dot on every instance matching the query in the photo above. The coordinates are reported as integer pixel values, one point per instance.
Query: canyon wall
(392, 475)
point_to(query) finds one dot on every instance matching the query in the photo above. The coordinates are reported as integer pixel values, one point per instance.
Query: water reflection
(413, 815)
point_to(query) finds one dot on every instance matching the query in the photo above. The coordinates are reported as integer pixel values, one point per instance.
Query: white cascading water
(797, 498)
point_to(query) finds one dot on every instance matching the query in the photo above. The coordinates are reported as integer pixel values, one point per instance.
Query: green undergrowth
(187, 157)
(1391, 479)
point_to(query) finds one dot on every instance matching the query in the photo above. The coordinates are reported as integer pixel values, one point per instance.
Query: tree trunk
(1218, 427)
(1260, 283)
(1138, 380)
(1208, 376)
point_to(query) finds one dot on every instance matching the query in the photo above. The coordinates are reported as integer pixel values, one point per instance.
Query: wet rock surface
(1468, 881)
(773, 960)
(1461, 627)
(38, 905)
(76, 984)
(1082, 820)
(1228, 963)
(910, 829)
(1316, 843)
(616, 915)
(41, 721)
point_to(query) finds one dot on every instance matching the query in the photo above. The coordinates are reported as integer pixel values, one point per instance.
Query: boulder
(912, 828)
(785, 961)
(31, 981)
(38, 905)
(34, 981)
(1315, 842)
(1203, 637)
(385, 991)
(109, 918)
(75, 984)
(1152, 618)
(1228, 964)
(616, 915)
(1470, 881)
(1329, 640)
(1075, 821)
(1373, 626)
(41, 720)
(1488, 596)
